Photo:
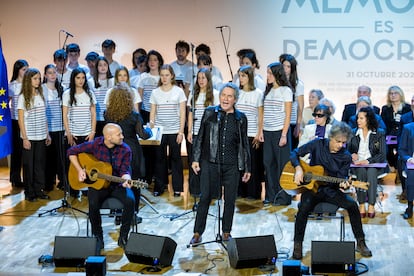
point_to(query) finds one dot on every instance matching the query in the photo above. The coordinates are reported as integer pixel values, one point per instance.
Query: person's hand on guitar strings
(298, 179)
(346, 184)
(127, 183)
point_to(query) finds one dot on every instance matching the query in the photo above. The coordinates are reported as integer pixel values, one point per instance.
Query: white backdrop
(338, 44)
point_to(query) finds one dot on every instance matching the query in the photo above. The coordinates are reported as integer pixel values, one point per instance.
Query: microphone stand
(64, 202)
(226, 47)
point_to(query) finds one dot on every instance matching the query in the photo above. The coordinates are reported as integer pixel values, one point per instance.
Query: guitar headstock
(139, 184)
(360, 184)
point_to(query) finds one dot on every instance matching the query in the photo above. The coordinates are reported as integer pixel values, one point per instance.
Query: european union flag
(5, 118)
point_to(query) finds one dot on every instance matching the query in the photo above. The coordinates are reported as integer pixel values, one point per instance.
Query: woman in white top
(103, 81)
(290, 65)
(277, 108)
(250, 102)
(249, 59)
(34, 133)
(168, 108)
(52, 91)
(15, 86)
(79, 110)
(122, 79)
(204, 95)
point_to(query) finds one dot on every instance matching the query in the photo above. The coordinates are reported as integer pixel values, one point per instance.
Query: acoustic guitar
(98, 174)
(313, 177)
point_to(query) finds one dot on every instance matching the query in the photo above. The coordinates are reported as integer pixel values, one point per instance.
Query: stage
(26, 236)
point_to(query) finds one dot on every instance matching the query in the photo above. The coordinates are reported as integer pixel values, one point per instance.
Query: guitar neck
(330, 179)
(111, 178)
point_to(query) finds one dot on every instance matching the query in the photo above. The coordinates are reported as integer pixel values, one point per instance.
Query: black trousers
(212, 179)
(96, 197)
(34, 164)
(16, 156)
(308, 203)
(161, 164)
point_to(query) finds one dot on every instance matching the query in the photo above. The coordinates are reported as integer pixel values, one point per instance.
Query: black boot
(362, 248)
(409, 211)
(297, 250)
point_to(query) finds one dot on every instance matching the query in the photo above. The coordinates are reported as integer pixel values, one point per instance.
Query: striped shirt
(100, 94)
(199, 108)
(300, 91)
(79, 114)
(249, 103)
(274, 112)
(148, 83)
(168, 108)
(35, 121)
(53, 109)
(14, 91)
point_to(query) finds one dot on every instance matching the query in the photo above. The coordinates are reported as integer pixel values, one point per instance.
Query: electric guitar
(313, 177)
(98, 174)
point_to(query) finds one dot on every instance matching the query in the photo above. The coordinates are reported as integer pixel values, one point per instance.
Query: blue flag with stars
(5, 117)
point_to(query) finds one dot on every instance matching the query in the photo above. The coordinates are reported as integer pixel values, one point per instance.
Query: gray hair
(232, 86)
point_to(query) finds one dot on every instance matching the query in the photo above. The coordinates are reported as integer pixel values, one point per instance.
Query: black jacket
(376, 145)
(209, 133)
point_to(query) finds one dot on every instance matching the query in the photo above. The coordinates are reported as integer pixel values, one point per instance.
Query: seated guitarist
(331, 154)
(111, 149)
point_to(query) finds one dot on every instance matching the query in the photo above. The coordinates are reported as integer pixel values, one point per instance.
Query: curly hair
(372, 122)
(120, 104)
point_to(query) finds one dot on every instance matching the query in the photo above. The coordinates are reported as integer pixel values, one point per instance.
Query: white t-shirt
(35, 120)
(248, 103)
(53, 109)
(14, 91)
(258, 81)
(113, 66)
(274, 112)
(136, 98)
(199, 108)
(100, 94)
(300, 91)
(148, 83)
(79, 114)
(168, 108)
(65, 81)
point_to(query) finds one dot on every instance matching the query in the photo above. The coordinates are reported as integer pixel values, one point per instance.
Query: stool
(326, 210)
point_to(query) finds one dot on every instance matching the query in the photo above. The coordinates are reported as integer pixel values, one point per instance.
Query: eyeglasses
(318, 115)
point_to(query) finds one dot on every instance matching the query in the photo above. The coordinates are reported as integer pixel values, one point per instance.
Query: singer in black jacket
(220, 153)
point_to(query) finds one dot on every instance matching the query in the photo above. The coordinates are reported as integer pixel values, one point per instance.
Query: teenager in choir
(137, 67)
(34, 133)
(73, 52)
(60, 58)
(91, 59)
(250, 102)
(108, 50)
(15, 86)
(122, 79)
(103, 81)
(168, 109)
(52, 91)
(181, 65)
(277, 109)
(142, 68)
(315, 95)
(120, 110)
(367, 147)
(250, 59)
(290, 65)
(148, 81)
(203, 96)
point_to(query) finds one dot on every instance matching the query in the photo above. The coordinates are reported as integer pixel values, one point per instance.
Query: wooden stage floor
(26, 236)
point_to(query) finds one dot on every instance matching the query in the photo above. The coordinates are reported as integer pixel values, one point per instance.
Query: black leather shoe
(363, 249)
(408, 214)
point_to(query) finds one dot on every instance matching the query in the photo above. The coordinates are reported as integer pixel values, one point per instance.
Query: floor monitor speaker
(73, 251)
(333, 257)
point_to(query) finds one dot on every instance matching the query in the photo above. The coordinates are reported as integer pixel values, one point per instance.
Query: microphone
(221, 27)
(67, 33)
(192, 45)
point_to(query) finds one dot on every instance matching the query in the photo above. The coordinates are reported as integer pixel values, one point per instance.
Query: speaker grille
(72, 251)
